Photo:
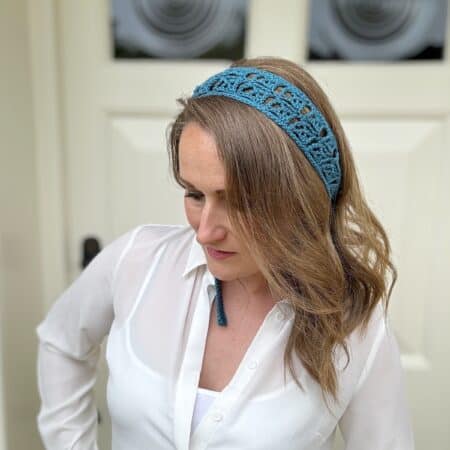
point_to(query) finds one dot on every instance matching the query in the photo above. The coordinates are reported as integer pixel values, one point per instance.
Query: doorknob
(91, 247)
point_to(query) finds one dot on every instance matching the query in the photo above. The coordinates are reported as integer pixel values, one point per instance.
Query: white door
(397, 118)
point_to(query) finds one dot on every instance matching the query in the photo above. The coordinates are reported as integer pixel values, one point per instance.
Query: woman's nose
(212, 226)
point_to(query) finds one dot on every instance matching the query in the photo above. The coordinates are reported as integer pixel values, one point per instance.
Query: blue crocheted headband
(288, 107)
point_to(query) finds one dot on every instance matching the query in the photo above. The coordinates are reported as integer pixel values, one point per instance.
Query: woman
(282, 265)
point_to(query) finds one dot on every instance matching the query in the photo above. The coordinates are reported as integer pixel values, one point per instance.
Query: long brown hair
(330, 262)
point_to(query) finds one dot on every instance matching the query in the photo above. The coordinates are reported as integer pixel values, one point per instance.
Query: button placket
(217, 416)
(190, 372)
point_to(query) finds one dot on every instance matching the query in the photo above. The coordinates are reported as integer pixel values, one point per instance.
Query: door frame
(49, 147)
(3, 412)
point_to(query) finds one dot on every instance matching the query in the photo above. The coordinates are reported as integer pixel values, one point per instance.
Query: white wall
(21, 287)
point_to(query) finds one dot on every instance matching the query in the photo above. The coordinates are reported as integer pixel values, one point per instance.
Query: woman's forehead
(200, 166)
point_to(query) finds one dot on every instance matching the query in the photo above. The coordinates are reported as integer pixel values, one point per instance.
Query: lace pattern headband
(287, 106)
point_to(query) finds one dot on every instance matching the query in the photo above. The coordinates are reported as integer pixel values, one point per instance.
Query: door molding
(3, 427)
(48, 138)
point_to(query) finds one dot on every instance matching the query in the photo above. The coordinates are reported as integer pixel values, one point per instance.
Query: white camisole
(203, 401)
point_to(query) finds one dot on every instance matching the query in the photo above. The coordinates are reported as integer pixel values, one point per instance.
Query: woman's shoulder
(141, 244)
(365, 339)
(155, 233)
(363, 344)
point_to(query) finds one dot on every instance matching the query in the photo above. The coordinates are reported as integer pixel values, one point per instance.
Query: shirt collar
(196, 257)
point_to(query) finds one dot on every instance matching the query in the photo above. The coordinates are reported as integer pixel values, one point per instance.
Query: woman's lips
(216, 254)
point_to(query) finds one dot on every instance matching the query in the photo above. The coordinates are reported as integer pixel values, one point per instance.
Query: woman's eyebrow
(185, 182)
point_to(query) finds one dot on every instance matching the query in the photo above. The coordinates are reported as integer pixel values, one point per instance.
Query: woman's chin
(221, 273)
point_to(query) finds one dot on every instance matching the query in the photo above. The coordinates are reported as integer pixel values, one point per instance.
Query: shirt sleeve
(69, 349)
(377, 417)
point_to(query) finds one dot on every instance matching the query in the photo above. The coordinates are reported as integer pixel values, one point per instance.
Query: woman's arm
(69, 349)
(377, 417)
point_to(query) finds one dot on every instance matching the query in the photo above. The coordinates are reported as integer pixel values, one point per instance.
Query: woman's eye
(195, 195)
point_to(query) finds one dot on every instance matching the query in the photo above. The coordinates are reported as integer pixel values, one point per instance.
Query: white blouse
(151, 292)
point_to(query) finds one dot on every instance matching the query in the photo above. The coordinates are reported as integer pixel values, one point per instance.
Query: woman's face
(205, 205)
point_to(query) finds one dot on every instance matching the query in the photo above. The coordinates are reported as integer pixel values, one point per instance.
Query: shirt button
(280, 316)
(217, 417)
(252, 364)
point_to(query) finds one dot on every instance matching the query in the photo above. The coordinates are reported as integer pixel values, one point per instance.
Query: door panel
(150, 195)
(397, 120)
